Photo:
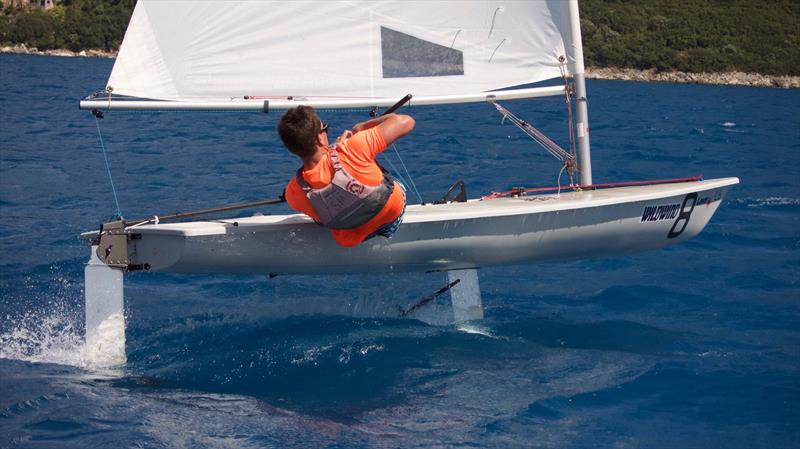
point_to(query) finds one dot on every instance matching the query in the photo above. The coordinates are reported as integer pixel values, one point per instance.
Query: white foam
(53, 337)
(106, 348)
(474, 328)
(769, 201)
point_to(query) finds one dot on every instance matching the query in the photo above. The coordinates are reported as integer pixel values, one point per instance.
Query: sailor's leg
(105, 316)
(466, 295)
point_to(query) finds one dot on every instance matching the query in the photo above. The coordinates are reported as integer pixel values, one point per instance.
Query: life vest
(346, 202)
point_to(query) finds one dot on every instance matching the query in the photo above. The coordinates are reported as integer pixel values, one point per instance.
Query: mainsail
(340, 53)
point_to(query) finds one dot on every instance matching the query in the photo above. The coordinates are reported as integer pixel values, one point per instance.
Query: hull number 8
(683, 217)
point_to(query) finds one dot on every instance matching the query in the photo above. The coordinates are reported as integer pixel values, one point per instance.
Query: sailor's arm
(391, 126)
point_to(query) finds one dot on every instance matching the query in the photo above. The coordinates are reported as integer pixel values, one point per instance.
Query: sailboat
(271, 56)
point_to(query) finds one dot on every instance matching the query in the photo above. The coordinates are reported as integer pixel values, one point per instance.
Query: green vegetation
(71, 24)
(760, 36)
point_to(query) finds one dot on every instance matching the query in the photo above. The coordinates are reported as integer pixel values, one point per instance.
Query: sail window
(407, 56)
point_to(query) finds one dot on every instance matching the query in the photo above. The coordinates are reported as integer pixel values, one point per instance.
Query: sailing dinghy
(270, 56)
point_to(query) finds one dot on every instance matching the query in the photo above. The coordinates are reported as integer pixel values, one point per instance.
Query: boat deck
(476, 208)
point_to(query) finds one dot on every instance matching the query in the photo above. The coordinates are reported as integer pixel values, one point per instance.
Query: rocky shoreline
(726, 78)
(604, 73)
(25, 50)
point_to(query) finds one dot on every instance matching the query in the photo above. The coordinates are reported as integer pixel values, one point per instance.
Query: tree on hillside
(74, 24)
(693, 35)
(685, 35)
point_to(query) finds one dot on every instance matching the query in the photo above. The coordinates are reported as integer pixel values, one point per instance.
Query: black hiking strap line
(428, 298)
(461, 197)
(179, 215)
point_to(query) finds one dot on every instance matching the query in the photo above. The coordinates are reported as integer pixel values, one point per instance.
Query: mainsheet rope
(408, 174)
(396, 172)
(108, 167)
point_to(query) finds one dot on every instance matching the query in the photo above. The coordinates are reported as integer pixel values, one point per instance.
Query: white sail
(337, 50)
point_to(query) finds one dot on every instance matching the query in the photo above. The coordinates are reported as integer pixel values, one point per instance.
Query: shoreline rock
(23, 49)
(603, 73)
(724, 78)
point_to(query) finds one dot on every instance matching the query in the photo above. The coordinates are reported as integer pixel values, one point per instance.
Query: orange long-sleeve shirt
(357, 155)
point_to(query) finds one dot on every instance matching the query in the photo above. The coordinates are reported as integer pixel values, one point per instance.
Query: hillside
(652, 36)
(693, 35)
(73, 25)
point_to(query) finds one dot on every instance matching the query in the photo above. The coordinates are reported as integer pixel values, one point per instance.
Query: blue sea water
(693, 346)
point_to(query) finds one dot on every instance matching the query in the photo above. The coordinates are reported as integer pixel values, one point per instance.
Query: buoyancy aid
(346, 202)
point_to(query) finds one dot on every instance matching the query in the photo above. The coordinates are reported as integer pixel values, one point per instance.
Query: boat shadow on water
(343, 367)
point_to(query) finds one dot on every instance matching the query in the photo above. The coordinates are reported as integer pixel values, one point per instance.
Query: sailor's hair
(298, 129)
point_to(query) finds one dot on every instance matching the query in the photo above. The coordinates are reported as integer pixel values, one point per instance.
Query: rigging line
(396, 172)
(538, 137)
(576, 187)
(570, 122)
(411, 180)
(559, 180)
(108, 168)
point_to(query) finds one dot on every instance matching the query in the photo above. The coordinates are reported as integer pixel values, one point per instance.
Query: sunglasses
(324, 127)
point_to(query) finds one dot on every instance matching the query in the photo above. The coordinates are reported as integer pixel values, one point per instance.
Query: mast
(582, 110)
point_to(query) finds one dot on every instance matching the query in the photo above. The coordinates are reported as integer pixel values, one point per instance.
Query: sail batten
(195, 51)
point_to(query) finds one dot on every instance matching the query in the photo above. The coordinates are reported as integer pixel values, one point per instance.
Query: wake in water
(47, 336)
(772, 201)
(476, 328)
(54, 333)
(55, 338)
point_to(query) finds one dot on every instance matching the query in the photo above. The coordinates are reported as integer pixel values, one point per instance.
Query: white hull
(442, 237)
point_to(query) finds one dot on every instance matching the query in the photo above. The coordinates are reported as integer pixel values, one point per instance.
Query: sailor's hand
(345, 135)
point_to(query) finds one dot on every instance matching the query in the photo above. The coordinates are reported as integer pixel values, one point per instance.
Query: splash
(772, 201)
(106, 347)
(35, 338)
(52, 331)
(56, 338)
(475, 328)
(349, 351)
